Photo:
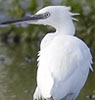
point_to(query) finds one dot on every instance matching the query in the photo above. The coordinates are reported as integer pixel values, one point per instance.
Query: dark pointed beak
(24, 19)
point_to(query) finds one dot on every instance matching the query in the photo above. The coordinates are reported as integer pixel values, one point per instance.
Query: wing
(62, 64)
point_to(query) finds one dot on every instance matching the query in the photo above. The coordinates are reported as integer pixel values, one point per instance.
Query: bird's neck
(67, 28)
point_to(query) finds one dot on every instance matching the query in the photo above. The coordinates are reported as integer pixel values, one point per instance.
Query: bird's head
(58, 17)
(53, 15)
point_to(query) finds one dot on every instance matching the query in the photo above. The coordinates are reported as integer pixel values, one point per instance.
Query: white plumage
(64, 60)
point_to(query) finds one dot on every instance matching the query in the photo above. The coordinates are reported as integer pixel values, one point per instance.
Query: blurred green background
(19, 45)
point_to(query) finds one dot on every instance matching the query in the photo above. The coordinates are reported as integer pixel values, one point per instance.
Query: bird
(64, 60)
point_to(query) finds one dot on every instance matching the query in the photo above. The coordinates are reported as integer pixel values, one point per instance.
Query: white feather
(64, 60)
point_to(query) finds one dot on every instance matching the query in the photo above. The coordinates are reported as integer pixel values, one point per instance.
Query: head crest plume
(72, 14)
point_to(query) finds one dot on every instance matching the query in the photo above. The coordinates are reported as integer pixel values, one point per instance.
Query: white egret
(64, 60)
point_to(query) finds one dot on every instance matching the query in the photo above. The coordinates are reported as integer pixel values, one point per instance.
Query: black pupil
(47, 15)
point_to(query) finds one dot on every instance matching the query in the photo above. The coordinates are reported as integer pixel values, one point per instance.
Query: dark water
(18, 73)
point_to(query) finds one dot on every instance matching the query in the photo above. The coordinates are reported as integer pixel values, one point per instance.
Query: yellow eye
(47, 14)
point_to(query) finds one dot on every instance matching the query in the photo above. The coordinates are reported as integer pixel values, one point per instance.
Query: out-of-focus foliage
(9, 9)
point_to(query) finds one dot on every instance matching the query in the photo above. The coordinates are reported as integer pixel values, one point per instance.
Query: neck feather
(66, 28)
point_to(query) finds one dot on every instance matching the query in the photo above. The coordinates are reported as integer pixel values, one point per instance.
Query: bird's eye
(47, 14)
